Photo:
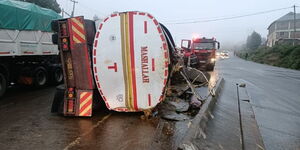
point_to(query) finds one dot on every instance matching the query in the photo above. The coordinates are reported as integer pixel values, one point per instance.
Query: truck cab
(200, 52)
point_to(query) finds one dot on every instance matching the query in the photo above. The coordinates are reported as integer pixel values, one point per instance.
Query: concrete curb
(198, 124)
(252, 136)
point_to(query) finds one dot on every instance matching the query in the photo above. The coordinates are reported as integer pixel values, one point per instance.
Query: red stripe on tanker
(153, 64)
(145, 27)
(132, 58)
(149, 99)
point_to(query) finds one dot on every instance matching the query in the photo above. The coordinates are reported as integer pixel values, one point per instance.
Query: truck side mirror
(185, 44)
(218, 45)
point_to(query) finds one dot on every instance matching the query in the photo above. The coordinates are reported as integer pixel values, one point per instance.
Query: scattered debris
(183, 98)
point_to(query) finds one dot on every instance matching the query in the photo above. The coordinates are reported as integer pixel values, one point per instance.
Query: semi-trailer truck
(27, 54)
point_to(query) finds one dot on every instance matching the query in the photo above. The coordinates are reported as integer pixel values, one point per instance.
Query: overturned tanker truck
(126, 61)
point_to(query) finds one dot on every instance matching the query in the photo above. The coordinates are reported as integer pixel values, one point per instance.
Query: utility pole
(63, 12)
(294, 40)
(74, 2)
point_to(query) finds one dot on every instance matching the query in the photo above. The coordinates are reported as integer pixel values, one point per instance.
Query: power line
(66, 5)
(82, 5)
(192, 19)
(233, 17)
(90, 8)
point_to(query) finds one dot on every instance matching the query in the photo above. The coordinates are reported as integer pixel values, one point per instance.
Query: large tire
(57, 75)
(210, 67)
(40, 77)
(3, 84)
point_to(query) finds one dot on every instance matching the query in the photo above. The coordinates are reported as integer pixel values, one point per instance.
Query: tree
(253, 41)
(51, 4)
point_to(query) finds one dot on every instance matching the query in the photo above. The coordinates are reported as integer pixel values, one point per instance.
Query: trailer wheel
(3, 84)
(210, 67)
(57, 75)
(40, 77)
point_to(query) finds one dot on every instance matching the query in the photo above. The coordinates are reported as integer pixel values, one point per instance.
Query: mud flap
(57, 104)
(3, 84)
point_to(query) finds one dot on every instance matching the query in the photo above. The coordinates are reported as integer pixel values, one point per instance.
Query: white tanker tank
(128, 62)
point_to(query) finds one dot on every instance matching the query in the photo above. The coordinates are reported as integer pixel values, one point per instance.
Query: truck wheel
(57, 75)
(210, 67)
(3, 84)
(40, 77)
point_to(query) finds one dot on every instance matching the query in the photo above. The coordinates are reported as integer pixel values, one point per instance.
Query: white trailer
(26, 43)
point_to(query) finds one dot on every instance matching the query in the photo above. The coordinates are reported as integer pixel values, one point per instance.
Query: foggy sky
(228, 32)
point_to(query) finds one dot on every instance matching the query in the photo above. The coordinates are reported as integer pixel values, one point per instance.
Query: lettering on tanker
(145, 65)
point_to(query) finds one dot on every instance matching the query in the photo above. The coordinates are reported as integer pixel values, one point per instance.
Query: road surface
(275, 98)
(26, 121)
(26, 124)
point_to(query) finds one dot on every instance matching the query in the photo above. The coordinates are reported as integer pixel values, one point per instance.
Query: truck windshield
(204, 45)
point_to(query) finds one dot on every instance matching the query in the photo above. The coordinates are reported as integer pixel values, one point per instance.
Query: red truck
(200, 52)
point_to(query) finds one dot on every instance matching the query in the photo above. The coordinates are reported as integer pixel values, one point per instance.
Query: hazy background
(229, 32)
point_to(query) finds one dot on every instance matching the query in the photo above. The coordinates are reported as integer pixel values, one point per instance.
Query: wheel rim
(41, 78)
(58, 75)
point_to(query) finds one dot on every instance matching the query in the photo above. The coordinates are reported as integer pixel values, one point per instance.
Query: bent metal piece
(130, 61)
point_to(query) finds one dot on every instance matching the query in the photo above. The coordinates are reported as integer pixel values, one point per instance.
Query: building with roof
(282, 30)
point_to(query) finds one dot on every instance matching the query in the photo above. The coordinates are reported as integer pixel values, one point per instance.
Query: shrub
(287, 56)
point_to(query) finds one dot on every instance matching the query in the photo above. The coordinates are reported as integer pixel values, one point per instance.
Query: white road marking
(77, 140)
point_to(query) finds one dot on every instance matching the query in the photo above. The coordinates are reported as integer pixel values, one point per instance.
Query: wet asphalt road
(26, 121)
(27, 124)
(275, 97)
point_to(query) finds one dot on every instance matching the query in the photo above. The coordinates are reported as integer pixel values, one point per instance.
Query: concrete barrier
(198, 124)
